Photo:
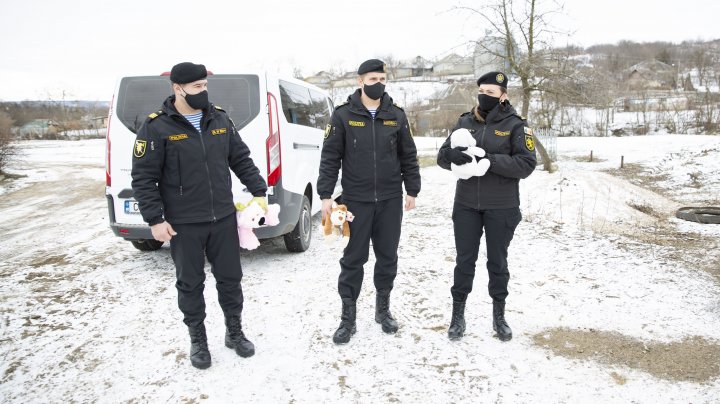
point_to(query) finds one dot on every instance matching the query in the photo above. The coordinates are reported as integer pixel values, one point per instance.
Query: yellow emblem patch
(390, 123)
(327, 131)
(140, 147)
(356, 123)
(500, 78)
(529, 142)
(218, 131)
(501, 133)
(177, 137)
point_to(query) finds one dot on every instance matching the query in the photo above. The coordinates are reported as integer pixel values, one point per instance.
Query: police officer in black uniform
(490, 202)
(371, 139)
(180, 178)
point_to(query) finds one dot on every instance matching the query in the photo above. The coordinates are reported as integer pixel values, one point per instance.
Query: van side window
(302, 106)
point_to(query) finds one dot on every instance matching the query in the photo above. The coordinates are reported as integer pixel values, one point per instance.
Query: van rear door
(137, 97)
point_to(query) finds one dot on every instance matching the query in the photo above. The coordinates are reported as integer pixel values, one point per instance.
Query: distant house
(321, 79)
(453, 64)
(38, 128)
(421, 67)
(651, 75)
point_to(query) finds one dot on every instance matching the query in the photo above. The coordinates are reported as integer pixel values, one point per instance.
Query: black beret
(498, 78)
(372, 65)
(187, 72)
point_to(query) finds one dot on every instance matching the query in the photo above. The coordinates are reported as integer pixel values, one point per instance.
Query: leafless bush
(7, 149)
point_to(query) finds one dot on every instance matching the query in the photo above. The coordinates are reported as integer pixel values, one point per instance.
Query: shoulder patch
(155, 114)
(139, 149)
(529, 141)
(219, 108)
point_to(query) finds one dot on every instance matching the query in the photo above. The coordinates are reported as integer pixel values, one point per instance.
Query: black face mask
(198, 101)
(487, 103)
(375, 91)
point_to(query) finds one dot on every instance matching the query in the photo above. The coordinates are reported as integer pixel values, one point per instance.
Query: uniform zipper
(374, 156)
(482, 138)
(207, 169)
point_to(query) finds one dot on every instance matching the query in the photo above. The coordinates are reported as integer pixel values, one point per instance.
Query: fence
(548, 138)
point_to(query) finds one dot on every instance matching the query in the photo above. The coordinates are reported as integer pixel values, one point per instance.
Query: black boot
(347, 324)
(457, 324)
(501, 327)
(382, 312)
(235, 338)
(199, 352)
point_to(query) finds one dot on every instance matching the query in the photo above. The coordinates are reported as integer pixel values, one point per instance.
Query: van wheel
(147, 245)
(298, 240)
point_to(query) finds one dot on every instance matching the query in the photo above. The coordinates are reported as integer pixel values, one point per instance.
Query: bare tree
(701, 61)
(523, 28)
(391, 64)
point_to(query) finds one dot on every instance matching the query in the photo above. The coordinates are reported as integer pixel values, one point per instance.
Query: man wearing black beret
(489, 202)
(180, 179)
(370, 138)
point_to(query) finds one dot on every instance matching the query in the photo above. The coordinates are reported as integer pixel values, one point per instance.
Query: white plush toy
(463, 138)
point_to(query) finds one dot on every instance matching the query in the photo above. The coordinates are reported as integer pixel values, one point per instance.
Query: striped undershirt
(194, 119)
(372, 112)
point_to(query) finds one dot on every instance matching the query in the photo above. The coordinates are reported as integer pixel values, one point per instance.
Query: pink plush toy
(251, 217)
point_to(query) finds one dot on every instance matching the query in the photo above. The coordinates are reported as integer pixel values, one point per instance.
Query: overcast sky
(81, 47)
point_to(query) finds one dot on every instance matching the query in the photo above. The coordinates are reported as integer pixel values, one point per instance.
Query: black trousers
(219, 242)
(379, 222)
(499, 226)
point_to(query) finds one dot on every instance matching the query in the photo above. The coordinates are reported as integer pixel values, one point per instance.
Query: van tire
(147, 245)
(298, 240)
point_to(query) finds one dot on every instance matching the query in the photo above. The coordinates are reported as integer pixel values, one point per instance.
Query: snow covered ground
(84, 317)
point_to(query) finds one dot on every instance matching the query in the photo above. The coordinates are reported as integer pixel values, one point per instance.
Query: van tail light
(272, 144)
(108, 178)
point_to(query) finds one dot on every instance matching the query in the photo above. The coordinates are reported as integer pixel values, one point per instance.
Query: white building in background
(453, 64)
(485, 56)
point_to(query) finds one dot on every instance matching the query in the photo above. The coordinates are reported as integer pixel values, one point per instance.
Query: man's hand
(409, 202)
(162, 231)
(260, 200)
(326, 207)
(457, 157)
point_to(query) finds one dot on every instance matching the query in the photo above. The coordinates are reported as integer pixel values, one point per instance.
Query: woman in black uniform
(490, 202)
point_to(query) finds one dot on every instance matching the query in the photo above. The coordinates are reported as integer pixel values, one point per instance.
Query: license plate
(131, 206)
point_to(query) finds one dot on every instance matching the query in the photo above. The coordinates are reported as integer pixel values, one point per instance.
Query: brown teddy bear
(337, 226)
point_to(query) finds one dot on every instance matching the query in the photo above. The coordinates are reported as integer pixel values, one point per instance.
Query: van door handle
(305, 146)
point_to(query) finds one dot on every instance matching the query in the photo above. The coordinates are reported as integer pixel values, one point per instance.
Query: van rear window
(238, 95)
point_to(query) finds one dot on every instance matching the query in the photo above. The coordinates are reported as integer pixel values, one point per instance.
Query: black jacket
(508, 143)
(376, 155)
(183, 176)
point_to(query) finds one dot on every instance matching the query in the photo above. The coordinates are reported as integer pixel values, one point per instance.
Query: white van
(282, 120)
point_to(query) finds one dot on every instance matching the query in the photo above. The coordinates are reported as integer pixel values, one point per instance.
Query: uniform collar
(169, 108)
(357, 106)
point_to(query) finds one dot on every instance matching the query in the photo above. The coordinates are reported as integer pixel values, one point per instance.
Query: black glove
(457, 157)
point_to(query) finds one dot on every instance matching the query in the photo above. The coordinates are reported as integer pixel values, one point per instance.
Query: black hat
(498, 78)
(372, 65)
(187, 72)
